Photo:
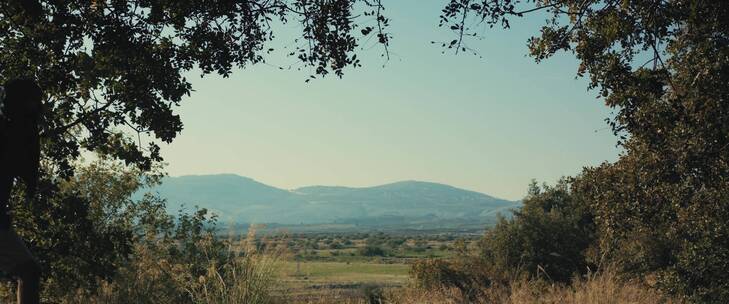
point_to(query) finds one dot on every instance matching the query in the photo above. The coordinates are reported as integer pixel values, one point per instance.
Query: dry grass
(251, 277)
(246, 276)
(602, 288)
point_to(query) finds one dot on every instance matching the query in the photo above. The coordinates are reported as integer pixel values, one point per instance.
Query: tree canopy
(113, 68)
(663, 66)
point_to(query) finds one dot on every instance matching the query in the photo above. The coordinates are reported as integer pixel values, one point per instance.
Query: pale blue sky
(489, 125)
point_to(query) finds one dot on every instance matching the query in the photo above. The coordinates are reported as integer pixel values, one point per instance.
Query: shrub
(548, 237)
(101, 246)
(195, 267)
(371, 251)
(439, 274)
(82, 228)
(655, 219)
(372, 294)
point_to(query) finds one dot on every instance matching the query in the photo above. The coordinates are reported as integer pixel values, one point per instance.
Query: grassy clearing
(338, 281)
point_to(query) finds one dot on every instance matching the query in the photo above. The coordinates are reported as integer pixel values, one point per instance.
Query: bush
(656, 220)
(395, 242)
(196, 268)
(438, 273)
(99, 245)
(81, 229)
(548, 237)
(371, 251)
(372, 294)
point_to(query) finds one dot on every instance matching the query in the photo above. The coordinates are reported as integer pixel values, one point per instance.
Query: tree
(110, 69)
(114, 68)
(663, 67)
(83, 228)
(549, 237)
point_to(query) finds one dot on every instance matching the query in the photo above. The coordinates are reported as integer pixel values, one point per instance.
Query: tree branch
(74, 123)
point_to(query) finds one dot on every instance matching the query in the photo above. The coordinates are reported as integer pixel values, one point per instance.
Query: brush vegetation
(548, 252)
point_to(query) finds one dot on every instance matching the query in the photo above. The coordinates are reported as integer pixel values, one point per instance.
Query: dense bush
(98, 245)
(464, 275)
(656, 219)
(371, 251)
(82, 229)
(336, 245)
(549, 236)
(674, 234)
(192, 266)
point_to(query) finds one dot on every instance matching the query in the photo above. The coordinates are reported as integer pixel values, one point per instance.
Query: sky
(489, 124)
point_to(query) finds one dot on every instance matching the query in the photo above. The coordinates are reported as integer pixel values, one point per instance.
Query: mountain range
(238, 199)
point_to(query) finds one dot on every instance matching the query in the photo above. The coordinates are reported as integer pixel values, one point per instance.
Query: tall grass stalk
(248, 277)
(232, 271)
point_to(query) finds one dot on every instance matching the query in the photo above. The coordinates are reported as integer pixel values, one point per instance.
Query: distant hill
(238, 199)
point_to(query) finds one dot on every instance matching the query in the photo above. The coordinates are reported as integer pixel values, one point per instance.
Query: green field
(346, 265)
(312, 279)
(348, 273)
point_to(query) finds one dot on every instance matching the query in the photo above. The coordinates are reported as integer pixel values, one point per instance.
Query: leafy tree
(94, 241)
(114, 68)
(656, 222)
(110, 69)
(663, 67)
(549, 237)
(82, 229)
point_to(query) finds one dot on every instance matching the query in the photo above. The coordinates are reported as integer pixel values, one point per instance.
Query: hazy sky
(487, 124)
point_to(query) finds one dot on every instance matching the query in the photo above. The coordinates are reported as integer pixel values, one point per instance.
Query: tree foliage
(94, 239)
(663, 67)
(549, 237)
(82, 229)
(112, 68)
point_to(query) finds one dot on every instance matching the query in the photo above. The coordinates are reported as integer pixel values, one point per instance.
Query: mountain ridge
(240, 199)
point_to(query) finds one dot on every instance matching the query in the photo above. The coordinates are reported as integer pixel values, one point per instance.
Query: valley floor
(312, 280)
